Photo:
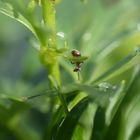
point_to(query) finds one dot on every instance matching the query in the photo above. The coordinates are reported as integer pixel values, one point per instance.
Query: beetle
(77, 59)
(76, 53)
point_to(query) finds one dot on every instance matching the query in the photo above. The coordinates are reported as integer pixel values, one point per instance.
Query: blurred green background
(104, 30)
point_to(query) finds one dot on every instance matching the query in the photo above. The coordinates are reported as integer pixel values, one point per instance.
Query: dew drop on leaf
(61, 35)
(104, 86)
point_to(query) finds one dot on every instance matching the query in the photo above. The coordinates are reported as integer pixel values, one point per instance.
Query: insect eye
(75, 53)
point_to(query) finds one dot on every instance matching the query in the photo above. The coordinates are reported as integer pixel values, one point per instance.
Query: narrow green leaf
(114, 103)
(99, 125)
(130, 118)
(100, 95)
(123, 65)
(54, 123)
(20, 18)
(76, 59)
(66, 129)
(18, 11)
(116, 127)
(78, 134)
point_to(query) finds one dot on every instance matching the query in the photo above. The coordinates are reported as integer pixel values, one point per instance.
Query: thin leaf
(131, 106)
(54, 123)
(114, 103)
(116, 128)
(66, 129)
(123, 65)
(98, 94)
(6, 11)
(99, 125)
(76, 59)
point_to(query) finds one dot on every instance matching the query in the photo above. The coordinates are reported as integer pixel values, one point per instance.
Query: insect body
(76, 54)
(77, 59)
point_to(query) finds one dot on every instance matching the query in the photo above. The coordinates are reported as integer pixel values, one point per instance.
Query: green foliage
(104, 104)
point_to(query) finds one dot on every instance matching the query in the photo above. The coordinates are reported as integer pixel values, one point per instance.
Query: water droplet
(61, 35)
(104, 86)
(114, 87)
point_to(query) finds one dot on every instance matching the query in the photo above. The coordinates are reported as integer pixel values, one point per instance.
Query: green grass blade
(117, 127)
(66, 129)
(76, 59)
(99, 125)
(123, 65)
(99, 95)
(114, 103)
(20, 19)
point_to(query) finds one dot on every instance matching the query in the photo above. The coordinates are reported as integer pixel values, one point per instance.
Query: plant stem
(48, 13)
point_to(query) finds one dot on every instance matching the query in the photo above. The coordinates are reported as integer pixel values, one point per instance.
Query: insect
(77, 60)
(76, 53)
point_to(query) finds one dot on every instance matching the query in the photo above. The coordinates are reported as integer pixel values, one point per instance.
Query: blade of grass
(20, 19)
(116, 127)
(114, 103)
(66, 129)
(123, 65)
